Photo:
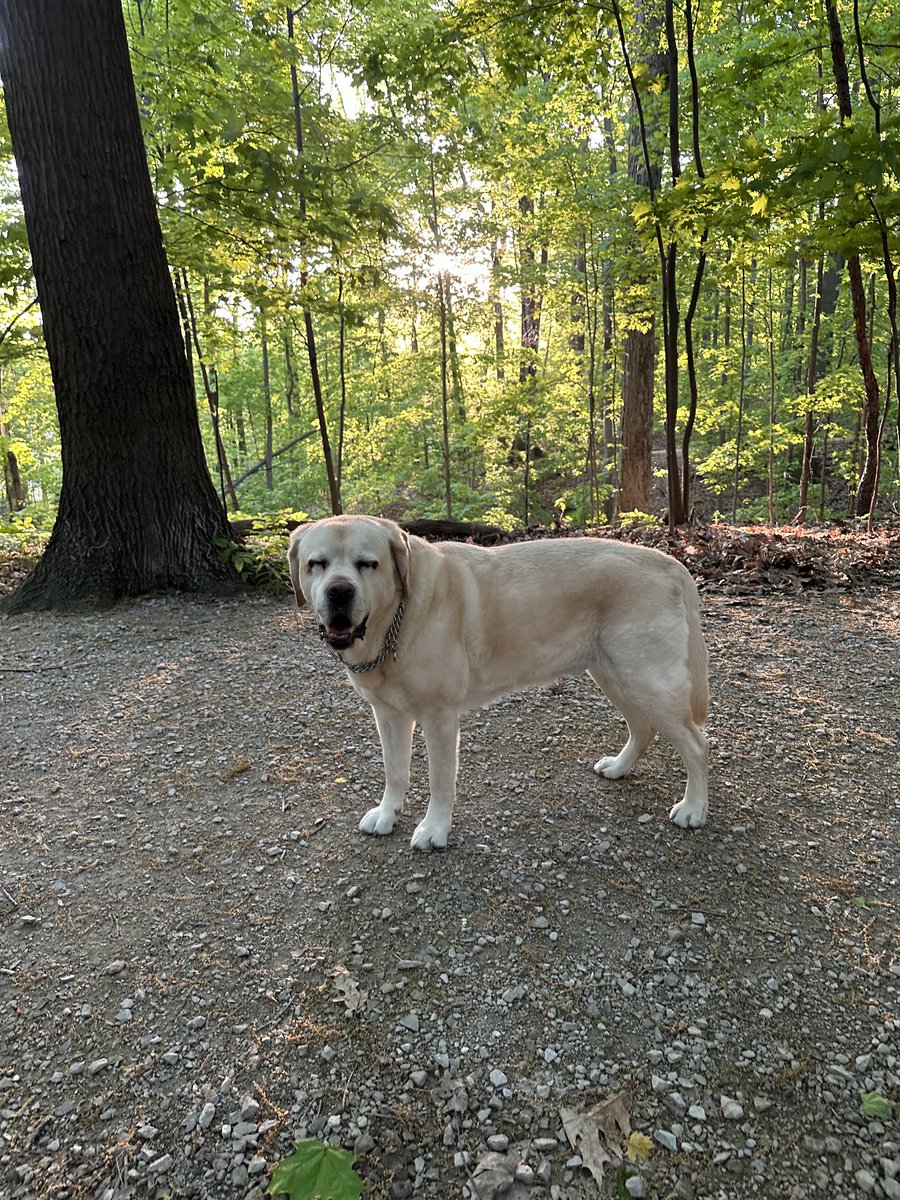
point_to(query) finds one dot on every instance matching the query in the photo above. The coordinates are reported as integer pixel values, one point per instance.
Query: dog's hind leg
(670, 715)
(690, 741)
(640, 733)
(395, 730)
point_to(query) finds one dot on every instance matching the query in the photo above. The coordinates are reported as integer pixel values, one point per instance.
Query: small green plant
(25, 533)
(638, 520)
(316, 1172)
(876, 1107)
(254, 564)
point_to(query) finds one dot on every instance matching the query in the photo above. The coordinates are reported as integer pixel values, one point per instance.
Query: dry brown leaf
(350, 994)
(607, 1122)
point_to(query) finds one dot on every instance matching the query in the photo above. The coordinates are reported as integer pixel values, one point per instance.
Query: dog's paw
(611, 768)
(378, 820)
(688, 814)
(430, 835)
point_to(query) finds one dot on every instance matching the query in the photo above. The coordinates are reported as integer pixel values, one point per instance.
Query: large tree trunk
(138, 510)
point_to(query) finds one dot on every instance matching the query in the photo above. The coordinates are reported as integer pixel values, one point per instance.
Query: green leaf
(877, 1106)
(316, 1172)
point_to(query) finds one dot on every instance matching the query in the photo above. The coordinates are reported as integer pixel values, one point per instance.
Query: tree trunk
(698, 274)
(267, 398)
(668, 263)
(210, 382)
(742, 388)
(497, 305)
(638, 318)
(532, 304)
(334, 487)
(290, 379)
(811, 376)
(15, 493)
(342, 375)
(445, 399)
(865, 493)
(137, 511)
(638, 363)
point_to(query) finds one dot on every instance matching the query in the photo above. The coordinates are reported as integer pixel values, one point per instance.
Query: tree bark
(267, 398)
(638, 319)
(497, 305)
(334, 487)
(137, 509)
(865, 493)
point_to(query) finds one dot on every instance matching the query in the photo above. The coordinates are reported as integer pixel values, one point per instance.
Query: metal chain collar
(389, 647)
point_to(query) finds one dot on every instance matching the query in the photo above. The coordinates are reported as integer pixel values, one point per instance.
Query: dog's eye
(317, 562)
(367, 562)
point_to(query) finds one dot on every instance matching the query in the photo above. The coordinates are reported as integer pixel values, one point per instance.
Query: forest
(519, 262)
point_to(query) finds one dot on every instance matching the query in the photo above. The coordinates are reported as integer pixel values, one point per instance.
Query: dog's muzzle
(340, 632)
(338, 628)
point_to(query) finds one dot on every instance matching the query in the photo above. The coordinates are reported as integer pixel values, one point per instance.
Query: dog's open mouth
(340, 632)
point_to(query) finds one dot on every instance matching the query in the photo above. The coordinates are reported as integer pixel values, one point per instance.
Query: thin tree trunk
(811, 376)
(15, 493)
(442, 290)
(210, 384)
(670, 286)
(342, 372)
(741, 390)
(457, 394)
(290, 378)
(266, 462)
(865, 493)
(445, 399)
(692, 380)
(497, 305)
(334, 490)
(267, 398)
(698, 273)
(770, 473)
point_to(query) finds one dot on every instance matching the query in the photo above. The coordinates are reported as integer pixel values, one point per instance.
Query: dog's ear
(293, 557)
(400, 553)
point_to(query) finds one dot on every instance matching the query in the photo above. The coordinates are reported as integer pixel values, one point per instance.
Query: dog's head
(351, 571)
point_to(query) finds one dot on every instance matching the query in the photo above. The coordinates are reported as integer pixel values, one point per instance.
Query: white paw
(378, 820)
(689, 814)
(430, 835)
(611, 768)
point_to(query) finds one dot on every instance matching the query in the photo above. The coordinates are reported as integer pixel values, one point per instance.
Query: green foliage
(489, 142)
(259, 556)
(316, 1172)
(638, 520)
(26, 534)
(876, 1107)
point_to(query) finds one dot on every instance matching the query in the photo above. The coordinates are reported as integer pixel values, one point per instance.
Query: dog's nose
(340, 595)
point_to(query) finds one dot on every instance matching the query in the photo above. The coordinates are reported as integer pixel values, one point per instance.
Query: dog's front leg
(395, 730)
(442, 742)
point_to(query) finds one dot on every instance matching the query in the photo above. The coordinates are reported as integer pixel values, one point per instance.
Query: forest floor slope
(201, 959)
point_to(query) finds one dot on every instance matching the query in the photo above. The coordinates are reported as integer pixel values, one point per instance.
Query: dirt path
(201, 959)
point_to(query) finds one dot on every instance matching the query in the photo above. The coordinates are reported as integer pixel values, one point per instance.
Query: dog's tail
(698, 657)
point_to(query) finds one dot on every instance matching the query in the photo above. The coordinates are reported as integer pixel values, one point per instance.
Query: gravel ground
(201, 959)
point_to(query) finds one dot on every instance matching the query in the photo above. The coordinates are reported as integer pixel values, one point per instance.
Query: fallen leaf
(639, 1146)
(350, 994)
(587, 1131)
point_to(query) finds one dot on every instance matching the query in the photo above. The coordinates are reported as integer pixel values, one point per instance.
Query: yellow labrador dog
(429, 631)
